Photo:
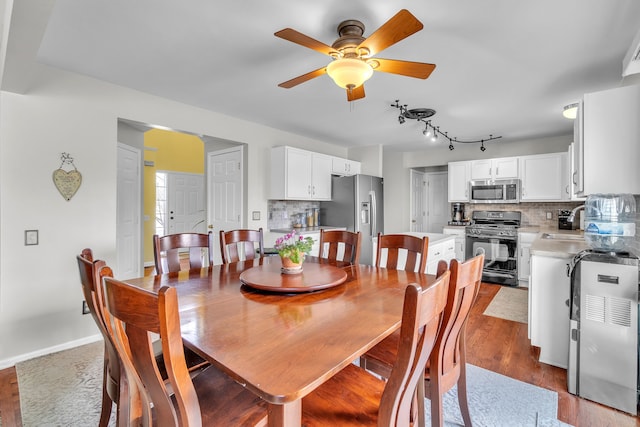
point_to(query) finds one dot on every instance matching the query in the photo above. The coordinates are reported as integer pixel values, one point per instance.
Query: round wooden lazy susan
(314, 277)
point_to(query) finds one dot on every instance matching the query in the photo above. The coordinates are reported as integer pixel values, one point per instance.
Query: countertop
(307, 230)
(433, 237)
(558, 247)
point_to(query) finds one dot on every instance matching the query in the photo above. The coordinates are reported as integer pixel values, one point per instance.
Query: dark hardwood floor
(498, 345)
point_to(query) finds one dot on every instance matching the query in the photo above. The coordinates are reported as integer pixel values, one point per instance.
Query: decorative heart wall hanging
(67, 182)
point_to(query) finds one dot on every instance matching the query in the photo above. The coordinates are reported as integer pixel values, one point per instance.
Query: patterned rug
(510, 304)
(64, 389)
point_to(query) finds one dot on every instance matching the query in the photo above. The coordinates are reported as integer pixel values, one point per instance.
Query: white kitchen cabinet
(299, 174)
(458, 176)
(345, 167)
(524, 255)
(543, 177)
(459, 232)
(499, 168)
(442, 250)
(549, 289)
(606, 135)
(572, 173)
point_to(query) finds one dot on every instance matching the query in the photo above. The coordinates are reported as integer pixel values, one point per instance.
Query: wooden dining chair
(334, 239)
(235, 242)
(210, 399)
(447, 364)
(415, 248)
(168, 248)
(354, 397)
(114, 389)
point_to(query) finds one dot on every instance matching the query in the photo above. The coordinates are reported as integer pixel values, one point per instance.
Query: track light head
(482, 148)
(400, 119)
(451, 147)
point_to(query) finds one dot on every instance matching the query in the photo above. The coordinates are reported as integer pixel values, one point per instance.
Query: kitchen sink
(562, 236)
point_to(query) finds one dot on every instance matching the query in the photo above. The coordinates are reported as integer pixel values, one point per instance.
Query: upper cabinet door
(458, 175)
(500, 168)
(344, 167)
(300, 174)
(321, 177)
(543, 177)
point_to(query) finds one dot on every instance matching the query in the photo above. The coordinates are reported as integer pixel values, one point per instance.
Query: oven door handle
(480, 236)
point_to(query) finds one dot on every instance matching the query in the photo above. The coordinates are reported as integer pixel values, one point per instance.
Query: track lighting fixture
(430, 131)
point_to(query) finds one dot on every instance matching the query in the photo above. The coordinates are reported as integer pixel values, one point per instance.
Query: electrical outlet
(549, 215)
(85, 308)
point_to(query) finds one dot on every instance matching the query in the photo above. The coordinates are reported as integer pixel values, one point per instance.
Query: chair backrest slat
(332, 240)
(168, 248)
(137, 314)
(421, 319)
(415, 248)
(235, 242)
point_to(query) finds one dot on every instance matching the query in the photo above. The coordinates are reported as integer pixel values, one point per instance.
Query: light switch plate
(256, 215)
(30, 237)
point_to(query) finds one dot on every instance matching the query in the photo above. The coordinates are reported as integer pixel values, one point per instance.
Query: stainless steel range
(495, 233)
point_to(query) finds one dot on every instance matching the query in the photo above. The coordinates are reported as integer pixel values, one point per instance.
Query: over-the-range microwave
(497, 191)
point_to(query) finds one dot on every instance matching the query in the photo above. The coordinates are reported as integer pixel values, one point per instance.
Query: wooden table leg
(286, 415)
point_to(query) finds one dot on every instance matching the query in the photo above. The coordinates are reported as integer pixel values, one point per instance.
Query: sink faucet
(573, 213)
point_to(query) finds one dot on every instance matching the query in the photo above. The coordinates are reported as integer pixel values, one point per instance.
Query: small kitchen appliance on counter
(457, 215)
(563, 223)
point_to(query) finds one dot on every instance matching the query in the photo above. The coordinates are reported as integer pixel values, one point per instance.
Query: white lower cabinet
(524, 255)
(459, 232)
(549, 291)
(443, 250)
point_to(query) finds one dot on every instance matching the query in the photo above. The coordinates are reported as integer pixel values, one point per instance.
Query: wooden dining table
(282, 346)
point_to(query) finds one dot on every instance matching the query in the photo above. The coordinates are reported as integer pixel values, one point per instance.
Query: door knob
(210, 227)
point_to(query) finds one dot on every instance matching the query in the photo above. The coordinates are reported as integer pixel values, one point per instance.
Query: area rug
(496, 400)
(64, 389)
(510, 304)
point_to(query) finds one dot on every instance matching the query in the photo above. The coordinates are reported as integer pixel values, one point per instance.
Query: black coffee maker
(457, 212)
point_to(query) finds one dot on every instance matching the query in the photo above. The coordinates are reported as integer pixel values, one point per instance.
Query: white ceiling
(504, 67)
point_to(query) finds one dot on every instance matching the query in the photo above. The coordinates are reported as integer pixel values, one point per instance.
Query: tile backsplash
(281, 212)
(532, 213)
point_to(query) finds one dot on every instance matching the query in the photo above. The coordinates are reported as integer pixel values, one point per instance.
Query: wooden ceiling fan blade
(303, 78)
(306, 41)
(354, 94)
(418, 70)
(399, 27)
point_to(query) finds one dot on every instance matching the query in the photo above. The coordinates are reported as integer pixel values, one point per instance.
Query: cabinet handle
(313, 190)
(566, 189)
(574, 179)
(497, 171)
(309, 190)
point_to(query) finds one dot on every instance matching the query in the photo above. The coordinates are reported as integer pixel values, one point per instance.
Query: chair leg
(420, 406)
(107, 404)
(462, 395)
(437, 417)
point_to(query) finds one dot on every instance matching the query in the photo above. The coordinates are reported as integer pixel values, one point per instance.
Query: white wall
(40, 295)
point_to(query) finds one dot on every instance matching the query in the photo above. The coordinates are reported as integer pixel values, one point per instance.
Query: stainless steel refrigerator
(356, 203)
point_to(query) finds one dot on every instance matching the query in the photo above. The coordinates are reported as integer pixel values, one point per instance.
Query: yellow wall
(170, 151)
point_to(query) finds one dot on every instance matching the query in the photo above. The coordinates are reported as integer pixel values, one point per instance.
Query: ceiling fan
(352, 54)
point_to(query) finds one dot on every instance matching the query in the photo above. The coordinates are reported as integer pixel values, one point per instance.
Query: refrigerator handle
(374, 213)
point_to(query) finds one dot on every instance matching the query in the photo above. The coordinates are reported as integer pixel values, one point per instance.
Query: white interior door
(224, 177)
(438, 214)
(185, 203)
(418, 209)
(128, 215)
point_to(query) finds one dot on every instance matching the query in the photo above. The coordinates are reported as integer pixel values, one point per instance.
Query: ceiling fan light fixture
(570, 111)
(349, 72)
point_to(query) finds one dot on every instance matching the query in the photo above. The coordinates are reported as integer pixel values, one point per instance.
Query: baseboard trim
(7, 363)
